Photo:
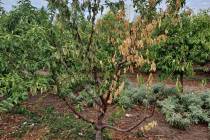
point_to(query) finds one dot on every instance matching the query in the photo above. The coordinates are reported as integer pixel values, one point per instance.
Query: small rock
(81, 134)
(128, 115)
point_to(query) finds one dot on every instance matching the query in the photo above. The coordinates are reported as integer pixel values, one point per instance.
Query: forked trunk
(101, 114)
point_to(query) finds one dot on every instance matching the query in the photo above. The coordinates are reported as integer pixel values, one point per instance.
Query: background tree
(23, 53)
(187, 36)
(147, 8)
(175, 5)
(1, 9)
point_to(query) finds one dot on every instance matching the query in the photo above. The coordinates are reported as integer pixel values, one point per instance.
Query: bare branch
(95, 11)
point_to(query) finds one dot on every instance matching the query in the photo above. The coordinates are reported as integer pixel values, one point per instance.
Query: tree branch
(132, 127)
(77, 113)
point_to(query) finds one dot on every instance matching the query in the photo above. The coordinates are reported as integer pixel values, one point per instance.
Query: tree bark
(99, 128)
(99, 125)
(182, 81)
(99, 135)
(101, 114)
(55, 80)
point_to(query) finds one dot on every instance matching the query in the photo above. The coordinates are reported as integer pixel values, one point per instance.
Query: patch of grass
(1, 132)
(61, 126)
(139, 134)
(26, 126)
(116, 115)
(66, 126)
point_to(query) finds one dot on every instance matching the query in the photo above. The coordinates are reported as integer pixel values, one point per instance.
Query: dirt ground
(190, 84)
(8, 123)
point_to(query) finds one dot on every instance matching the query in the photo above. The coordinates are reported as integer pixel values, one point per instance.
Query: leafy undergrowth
(144, 95)
(180, 109)
(65, 126)
(58, 125)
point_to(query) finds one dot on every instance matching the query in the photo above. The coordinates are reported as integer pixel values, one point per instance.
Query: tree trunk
(98, 128)
(182, 81)
(55, 81)
(100, 117)
(99, 135)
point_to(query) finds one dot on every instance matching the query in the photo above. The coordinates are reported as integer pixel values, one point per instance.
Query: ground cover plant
(187, 109)
(180, 111)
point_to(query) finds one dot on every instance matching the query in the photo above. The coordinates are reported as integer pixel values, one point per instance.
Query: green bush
(144, 95)
(125, 102)
(190, 108)
(139, 95)
(180, 110)
(157, 88)
(170, 91)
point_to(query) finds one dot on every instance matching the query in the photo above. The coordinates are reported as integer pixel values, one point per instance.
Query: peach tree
(187, 45)
(105, 50)
(23, 52)
(67, 50)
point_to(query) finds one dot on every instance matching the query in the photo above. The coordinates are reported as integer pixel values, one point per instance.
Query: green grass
(61, 126)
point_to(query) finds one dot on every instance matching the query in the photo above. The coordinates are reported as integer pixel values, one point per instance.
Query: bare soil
(190, 84)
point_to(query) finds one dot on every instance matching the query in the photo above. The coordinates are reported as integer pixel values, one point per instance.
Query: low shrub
(144, 95)
(180, 110)
(190, 108)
